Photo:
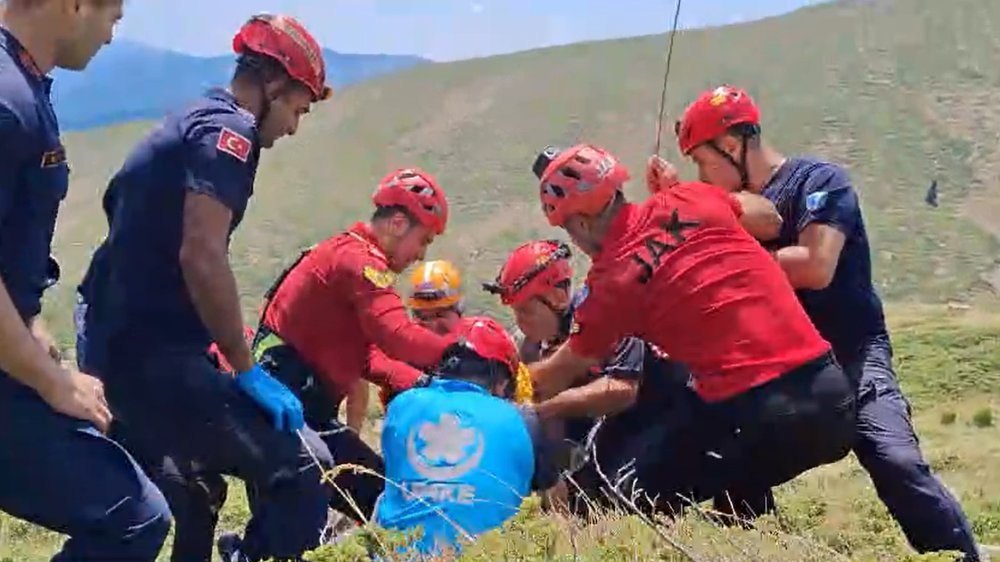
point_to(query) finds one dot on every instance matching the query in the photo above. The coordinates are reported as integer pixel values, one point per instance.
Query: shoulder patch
(380, 278)
(55, 157)
(234, 144)
(816, 201)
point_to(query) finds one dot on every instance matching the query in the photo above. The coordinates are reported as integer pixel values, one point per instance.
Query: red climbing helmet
(284, 39)
(418, 192)
(581, 180)
(532, 270)
(712, 114)
(488, 339)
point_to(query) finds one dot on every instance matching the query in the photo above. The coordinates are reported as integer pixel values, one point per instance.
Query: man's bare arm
(556, 373)
(21, 356)
(40, 331)
(204, 260)
(760, 217)
(812, 262)
(357, 405)
(67, 391)
(600, 397)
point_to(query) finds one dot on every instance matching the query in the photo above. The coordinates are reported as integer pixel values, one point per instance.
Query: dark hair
(747, 131)
(259, 69)
(461, 363)
(389, 211)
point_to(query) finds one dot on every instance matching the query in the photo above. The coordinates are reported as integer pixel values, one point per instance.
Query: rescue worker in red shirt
(436, 303)
(324, 314)
(681, 272)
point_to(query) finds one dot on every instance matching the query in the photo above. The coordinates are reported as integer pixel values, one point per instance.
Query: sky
(441, 30)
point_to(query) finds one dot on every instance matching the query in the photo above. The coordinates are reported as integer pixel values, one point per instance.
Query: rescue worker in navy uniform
(52, 416)
(824, 251)
(161, 290)
(463, 454)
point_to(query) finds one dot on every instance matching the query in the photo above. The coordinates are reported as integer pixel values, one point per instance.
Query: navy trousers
(888, 448)
(63, 474)
(177, 407)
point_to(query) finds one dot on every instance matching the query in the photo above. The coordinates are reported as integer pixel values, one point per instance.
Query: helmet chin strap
(265, 102)
(740, 166)
(564, 320)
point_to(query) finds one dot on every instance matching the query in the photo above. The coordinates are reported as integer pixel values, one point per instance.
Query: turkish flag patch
(234, 143)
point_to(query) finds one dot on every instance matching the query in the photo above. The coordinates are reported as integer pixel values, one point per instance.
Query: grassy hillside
(902, 92)
(949, 365)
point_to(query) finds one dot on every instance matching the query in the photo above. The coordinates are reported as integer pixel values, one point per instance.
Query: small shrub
(983, 418)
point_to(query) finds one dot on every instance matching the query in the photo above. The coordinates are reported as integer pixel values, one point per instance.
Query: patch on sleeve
(55, 157)
(574, 328)
(234, 144)
(816, 201)
(381, 279)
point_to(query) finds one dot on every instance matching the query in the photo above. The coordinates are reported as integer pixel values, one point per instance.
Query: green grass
(901, 92)
(948, 363)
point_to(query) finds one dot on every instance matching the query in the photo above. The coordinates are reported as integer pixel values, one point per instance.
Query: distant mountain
(130, 80)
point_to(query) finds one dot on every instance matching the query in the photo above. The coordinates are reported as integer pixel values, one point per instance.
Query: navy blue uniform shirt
(135, 287)
(34, 177)
(848, 312)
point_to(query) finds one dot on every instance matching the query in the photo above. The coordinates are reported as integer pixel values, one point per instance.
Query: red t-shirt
(681, 272)
(383, 367)
(338, 302)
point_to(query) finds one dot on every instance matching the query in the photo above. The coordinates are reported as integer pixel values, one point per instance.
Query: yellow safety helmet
(524, 388)
(435, 284)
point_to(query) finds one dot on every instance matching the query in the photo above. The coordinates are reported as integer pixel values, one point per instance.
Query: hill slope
(131, 81)
(899, 91)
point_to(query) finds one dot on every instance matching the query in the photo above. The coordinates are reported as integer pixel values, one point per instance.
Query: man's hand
(283, 407)
(78, 395)
(760, 217)
(40, 332)
(660, 174)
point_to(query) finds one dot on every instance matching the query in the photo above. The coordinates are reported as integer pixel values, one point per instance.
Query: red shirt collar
(617, 229)
(363, 231)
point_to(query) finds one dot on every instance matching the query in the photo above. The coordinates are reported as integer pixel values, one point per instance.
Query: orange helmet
(581, 180)
(287, 41)
(418, 192)
(435, 284)
(532, 270)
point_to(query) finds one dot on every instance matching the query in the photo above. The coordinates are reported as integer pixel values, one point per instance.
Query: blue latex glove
(284, 407)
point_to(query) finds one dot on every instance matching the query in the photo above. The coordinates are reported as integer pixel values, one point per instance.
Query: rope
(666, 74)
